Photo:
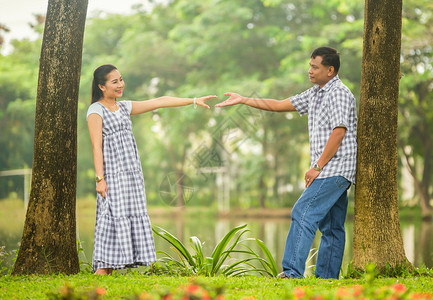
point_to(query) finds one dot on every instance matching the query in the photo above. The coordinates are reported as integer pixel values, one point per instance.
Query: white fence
(27, 173)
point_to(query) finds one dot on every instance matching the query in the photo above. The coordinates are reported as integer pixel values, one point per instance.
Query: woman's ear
(101, 87)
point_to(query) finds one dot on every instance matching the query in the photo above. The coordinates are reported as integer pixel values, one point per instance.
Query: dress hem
(104, 265)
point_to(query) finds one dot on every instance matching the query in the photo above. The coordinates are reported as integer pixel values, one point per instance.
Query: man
(332, 121)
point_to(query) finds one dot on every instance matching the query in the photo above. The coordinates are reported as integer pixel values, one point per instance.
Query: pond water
(417, 235)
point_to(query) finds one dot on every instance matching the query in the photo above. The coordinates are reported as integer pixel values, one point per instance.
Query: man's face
(318, 73)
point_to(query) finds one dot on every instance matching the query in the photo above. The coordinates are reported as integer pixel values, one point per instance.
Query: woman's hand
(201, 101)
(101, 188)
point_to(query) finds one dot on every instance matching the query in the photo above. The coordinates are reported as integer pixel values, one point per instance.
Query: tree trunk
(426, 180)
(49, 239)
(377, 234)
(263, 188)
(425, 244)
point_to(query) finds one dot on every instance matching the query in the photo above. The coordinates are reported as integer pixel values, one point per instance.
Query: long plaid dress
(123, 234)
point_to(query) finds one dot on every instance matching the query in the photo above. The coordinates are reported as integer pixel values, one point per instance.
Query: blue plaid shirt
(327, 108)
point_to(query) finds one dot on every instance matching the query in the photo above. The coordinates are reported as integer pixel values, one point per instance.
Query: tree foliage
(190, 48)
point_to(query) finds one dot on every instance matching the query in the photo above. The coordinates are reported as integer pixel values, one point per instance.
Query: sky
(16, 14)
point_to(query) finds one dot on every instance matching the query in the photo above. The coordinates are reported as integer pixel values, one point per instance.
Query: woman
(123, 234)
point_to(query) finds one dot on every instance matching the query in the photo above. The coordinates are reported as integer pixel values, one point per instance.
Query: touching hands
(201, 101)
(232, 100)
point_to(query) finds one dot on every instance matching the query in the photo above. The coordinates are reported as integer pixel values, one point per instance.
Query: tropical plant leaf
(263, 262)
(231, 268)
(223, 243)
(270, 267)
(197, 246)
(169, 258)
(207, 266)
(271, 261)
(315, 251)
(215, 264)
(175, 243)
(219, 254)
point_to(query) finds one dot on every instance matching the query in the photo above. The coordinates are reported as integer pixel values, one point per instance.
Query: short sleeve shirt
(330, 107)
(96, 108)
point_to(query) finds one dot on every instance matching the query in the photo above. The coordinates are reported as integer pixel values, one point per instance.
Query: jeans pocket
(342, 183)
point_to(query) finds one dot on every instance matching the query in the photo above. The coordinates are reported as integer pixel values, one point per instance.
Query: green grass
(134, 283)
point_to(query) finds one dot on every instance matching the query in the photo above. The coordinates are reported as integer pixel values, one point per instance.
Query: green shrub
(198, 263)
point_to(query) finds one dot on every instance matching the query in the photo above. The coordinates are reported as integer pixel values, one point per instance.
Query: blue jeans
(323, 206)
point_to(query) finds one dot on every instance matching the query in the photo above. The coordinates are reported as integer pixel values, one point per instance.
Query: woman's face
(113, 87)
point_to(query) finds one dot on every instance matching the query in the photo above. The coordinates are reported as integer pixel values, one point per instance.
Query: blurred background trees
(254, 47)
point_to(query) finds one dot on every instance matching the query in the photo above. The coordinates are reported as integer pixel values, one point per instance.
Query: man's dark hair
(330, 57)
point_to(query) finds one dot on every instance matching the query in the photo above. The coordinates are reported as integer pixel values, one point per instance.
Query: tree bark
(49, 238)
(377, 233)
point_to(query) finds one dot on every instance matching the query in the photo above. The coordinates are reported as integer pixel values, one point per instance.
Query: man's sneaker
(283, 275)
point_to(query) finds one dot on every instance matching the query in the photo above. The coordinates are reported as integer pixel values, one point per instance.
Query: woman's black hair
(99, 78)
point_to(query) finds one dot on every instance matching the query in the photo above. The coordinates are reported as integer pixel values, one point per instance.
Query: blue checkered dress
(123, 234)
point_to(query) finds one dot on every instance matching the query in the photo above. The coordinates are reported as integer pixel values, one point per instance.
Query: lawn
(136, 285)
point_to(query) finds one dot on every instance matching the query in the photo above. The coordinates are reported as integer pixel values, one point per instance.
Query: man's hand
(232, 100)
(310, 176)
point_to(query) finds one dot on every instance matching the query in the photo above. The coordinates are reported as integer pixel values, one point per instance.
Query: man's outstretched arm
(263, 104)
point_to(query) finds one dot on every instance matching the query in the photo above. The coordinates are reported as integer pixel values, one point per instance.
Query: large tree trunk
(377, 235)
(49, 239)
